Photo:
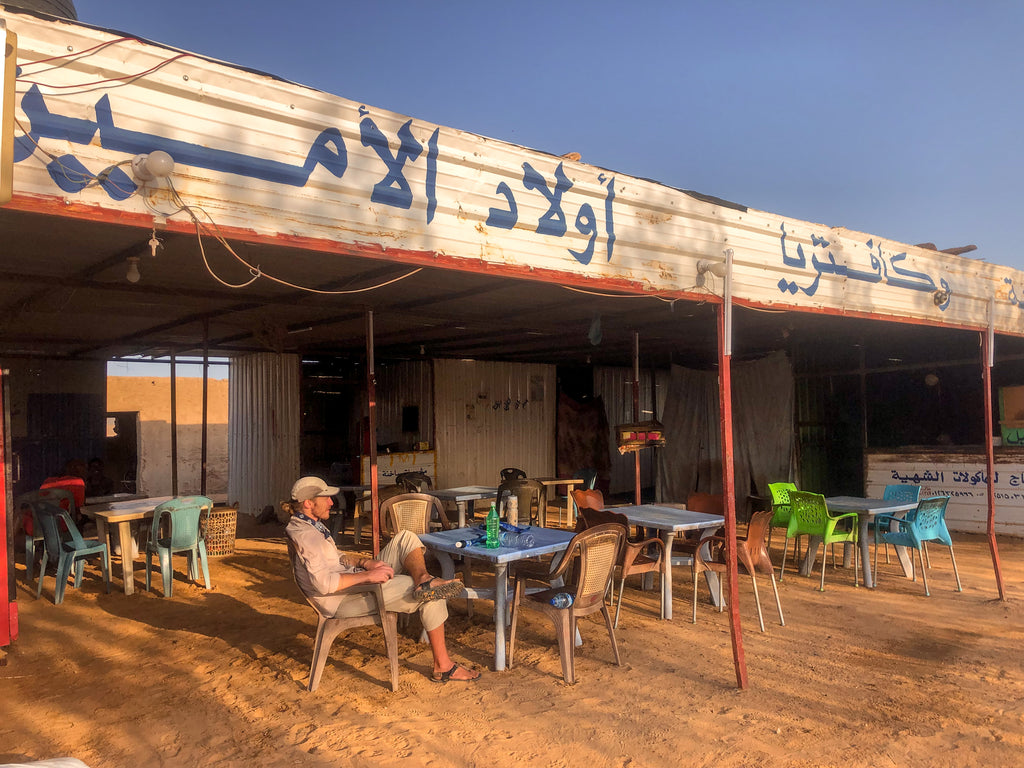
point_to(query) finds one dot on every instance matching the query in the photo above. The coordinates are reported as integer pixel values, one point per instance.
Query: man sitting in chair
(322, 571)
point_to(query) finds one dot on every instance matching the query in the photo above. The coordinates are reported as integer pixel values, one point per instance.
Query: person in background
(322, 571)
(72, 479)
(96, 482)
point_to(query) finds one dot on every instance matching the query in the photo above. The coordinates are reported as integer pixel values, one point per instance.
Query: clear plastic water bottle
(562, 600)
(516, 540)
(493, 541)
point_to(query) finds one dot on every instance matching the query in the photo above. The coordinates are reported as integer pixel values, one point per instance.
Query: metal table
(866, 509)
(442, 543)
(670, 520)
(463, 495)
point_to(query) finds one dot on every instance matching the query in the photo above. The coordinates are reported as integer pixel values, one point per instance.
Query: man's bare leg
(416, 567)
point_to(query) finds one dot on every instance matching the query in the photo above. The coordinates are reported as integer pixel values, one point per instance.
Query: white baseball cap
(310, 487)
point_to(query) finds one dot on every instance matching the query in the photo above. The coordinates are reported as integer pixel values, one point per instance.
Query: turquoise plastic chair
(904, 494)
(59, 496)
(921, 525)
(175, 529)
(809, 516)
(65, 546)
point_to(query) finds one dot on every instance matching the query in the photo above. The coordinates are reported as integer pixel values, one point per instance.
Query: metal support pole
(174, 425)
(987, 345)
(728, 479)
(636, 411)
(206, 406)
(371, 399)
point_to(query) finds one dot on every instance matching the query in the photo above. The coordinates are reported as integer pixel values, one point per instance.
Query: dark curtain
(762, 430)
(583, 439)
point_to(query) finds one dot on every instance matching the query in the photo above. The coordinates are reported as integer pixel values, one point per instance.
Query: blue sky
(899, 118)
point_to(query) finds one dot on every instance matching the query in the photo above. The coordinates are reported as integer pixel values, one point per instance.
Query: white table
(866, 509)
(464, 494)
(121, 514)
(670, 520)
(442, 543)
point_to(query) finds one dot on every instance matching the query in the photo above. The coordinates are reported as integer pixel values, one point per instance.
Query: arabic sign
(277, 160)
(966, 483)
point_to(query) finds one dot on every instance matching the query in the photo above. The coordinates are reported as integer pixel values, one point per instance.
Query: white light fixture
(716, 268)
(133, 275)
(156, 165)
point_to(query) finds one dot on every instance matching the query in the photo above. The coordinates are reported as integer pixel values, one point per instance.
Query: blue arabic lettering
(552, 222)
(504, 219)
(827, 265)
(393, 189)
(327, 150)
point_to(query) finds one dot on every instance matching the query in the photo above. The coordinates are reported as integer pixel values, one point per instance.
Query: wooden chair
(597, 551)
(635, 557)
(329, 627)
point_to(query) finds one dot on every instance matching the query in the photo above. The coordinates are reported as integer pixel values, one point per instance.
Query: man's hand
(378, 571)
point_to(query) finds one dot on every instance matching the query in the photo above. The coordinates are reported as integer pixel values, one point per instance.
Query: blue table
(443, 543)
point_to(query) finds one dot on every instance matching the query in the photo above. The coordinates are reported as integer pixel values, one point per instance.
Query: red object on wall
(8, 604)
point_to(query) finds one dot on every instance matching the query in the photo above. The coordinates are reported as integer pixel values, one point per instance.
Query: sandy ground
(216, 678)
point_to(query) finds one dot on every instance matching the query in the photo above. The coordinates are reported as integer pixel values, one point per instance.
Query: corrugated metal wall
(263, 430)
(400, 385)
(477, 435)
(615, 387)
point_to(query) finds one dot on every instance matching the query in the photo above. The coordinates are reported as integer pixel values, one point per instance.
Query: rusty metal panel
(493, 415)
(269, 160)
(264, 427)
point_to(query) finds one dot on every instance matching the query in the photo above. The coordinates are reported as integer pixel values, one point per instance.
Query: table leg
(666, 579)
(103, 534)
(460, 507)
(863, 523)
(807, 565)
(124, 537)
(500, 601)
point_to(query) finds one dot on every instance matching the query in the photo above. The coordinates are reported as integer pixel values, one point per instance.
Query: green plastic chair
(809, 516)
(921, 525)
(780, 508)
(180, 534)
(63, 542)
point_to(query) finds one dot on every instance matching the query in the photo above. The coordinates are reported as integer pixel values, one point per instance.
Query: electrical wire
(255, 270)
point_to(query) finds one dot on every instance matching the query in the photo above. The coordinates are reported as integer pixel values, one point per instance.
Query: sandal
(445, 677)
(443, 590)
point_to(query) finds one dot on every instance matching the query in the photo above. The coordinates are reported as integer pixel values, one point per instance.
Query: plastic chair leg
(611, 634)
(924, 573)
(42, 573)
(956, 573)
(64, 566)
(757, 602)
(203, 564)
(778, 603)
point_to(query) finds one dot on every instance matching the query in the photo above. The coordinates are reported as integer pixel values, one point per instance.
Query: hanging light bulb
(155, 165)
(133, 275)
